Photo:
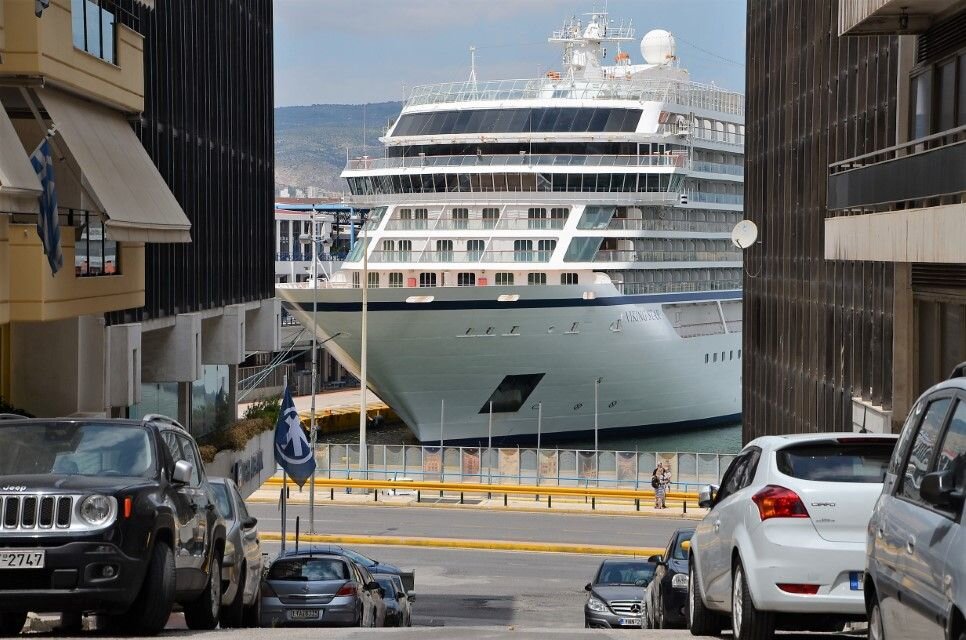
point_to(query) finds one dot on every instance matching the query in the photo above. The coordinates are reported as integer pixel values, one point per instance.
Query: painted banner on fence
(471, 463)
(548, 464)
(626, 466)
(509, 465)
(432, 463)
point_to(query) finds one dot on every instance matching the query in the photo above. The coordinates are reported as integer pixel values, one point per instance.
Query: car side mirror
(400, 596)
(939, 489)
(183, 470)
(249, 523)
(412, 597)
(372, 586)
(706, 495)
(656, 559)
(588, 587)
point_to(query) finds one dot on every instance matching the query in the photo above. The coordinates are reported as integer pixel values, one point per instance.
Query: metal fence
(560, 467)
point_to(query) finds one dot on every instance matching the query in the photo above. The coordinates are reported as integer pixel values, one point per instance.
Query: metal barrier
(575, 468)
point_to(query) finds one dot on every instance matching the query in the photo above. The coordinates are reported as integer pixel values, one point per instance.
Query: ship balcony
(925, 168)
(719, 170)
(435, 256)
(673, 161)
(501, 224)
(77, 45)
(631, 255)
(637, 288)
(890, 17)
(637, 224)
(736, 200)
(532, 198)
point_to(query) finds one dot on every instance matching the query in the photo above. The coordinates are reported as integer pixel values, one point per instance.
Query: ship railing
(718, 167)
(630, 255)
(684, 93)
(566, 467)
(638, 288)
(715, 135)
(676, 160)
(637, 224)
(718, 198)
(548, 198)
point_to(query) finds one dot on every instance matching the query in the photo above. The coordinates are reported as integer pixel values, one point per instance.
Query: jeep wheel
(202, 612)
(11, 623)
(231, 616)
(152, 607)
(701, 620)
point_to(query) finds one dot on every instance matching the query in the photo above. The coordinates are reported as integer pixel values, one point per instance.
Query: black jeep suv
(113, 517)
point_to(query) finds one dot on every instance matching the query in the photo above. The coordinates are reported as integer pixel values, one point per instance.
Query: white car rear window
(834, 462)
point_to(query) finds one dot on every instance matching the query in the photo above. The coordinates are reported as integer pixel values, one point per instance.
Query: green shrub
(267, 409)
(234, 437)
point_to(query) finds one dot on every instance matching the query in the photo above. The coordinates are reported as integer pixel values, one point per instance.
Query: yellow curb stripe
(454, 543)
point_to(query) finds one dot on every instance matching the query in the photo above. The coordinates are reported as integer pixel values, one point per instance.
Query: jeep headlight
(596, 604)
(679, 581)
(96, 510)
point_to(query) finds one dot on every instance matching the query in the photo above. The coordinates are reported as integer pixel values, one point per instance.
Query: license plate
(629, 622)
(856, 580)
(304, 614)
(22, 559)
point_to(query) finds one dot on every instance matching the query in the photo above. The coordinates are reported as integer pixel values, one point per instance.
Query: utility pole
(313, 427)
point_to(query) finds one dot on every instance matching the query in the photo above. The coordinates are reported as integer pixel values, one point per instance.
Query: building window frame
(88, 245)
(94, 28)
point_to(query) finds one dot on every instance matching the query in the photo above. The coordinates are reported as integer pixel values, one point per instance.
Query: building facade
(164, 163)
(818, 333)
(854, 294)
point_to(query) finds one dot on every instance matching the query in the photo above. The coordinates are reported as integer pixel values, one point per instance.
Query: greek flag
(292, 450)
(48, 226)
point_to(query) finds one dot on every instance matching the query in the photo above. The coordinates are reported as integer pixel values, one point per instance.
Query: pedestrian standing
(665, 483)
(657, 481)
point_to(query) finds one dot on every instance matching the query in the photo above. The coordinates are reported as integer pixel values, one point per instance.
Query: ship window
(504, 279)
(388, 245)
(582, 249)
(460, 218)
(536, 278)
(490, 216)
(739, 354)
(405, 214)
(731, 355)
(568, 278)
(474, 249)
(715, 359)
(512, 392)
(546, 247)
(542, 120)
(706, 358)
(427, 279)
(374, 279)
(523, 250)
(444, 250)
(465, 279)
(421, 217)
(356, 279)
(395, 279)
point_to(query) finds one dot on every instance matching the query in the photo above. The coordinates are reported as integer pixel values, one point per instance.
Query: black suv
(113, 517)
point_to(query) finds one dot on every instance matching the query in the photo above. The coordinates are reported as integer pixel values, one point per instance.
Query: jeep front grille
(32, 512)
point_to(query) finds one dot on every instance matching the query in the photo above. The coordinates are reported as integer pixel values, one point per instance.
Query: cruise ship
(549, 255)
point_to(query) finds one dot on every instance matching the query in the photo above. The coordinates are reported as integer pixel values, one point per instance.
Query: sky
(356, 51)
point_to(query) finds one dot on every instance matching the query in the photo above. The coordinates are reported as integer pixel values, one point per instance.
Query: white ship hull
(440, 361)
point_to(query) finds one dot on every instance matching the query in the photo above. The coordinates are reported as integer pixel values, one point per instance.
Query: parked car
(312, 587)
(374, 566)
(242, 565)
(915, 582)
(398, 606)
(616, 596)
(783, 545)
(113, 517)
(667, 593)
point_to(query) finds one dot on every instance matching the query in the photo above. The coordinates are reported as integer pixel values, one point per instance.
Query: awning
(117, 171)
(19, 185)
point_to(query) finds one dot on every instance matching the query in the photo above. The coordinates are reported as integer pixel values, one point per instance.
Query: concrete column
(263, 326)
(223, 337)
(184, 404)
(173, 354)
(904, 391)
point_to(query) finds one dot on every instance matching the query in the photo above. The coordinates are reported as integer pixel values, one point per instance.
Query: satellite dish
(744, 234)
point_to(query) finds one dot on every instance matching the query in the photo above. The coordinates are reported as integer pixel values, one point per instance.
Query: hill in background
(311, 141)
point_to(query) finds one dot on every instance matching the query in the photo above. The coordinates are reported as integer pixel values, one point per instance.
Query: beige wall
(35, 295)
(44, 47)
(932, 234)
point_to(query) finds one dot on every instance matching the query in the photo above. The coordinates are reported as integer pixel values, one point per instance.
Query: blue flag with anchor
(292, 450)
(48, 226)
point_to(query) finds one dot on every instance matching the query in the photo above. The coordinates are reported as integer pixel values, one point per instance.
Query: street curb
(456, 543)
(673, 515)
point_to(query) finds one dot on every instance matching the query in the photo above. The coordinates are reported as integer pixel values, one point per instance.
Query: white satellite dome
(657, 47)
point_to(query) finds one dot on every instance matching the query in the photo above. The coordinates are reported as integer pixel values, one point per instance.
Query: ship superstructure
(535, 244)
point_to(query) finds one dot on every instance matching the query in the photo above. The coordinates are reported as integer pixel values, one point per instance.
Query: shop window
(93, 28)
(94, 254)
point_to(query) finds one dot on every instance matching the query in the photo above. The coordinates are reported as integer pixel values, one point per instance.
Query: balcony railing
(627, 224)
(631, 255)
(718, 198)
(459, 257)
(689, 94)
(286, 256)
(676, 160)
(915, 170)
(548, 198)
(718, 167)
(636, 288)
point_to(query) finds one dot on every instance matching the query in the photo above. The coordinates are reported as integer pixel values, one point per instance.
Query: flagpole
(284, 476)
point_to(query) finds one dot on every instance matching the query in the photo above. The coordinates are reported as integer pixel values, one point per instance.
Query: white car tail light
(778, 502)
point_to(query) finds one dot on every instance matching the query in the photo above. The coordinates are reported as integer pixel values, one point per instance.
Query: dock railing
(519, 466)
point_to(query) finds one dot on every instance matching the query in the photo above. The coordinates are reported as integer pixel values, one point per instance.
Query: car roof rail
(12, 416)
(959, 371)
(160, 417)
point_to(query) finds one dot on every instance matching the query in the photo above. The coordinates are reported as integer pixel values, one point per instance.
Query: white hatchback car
(783, 545)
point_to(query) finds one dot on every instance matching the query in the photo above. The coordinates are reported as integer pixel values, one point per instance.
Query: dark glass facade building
(208, 126)
(817, 332)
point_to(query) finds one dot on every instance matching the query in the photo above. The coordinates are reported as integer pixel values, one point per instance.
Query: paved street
(474, 524)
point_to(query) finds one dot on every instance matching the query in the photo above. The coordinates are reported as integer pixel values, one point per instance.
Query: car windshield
(387, 586)
(626, 573)
(222, 501)
(680, 553)
(69, 448)
(308, 569)
(859, 463)
(358, 558)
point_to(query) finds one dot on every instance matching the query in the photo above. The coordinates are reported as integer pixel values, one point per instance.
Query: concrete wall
(44, 47)
(931, 234)
(250, 467)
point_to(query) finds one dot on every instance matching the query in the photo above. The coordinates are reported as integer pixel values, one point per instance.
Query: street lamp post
(489, 447)
(313, 427)
(363, 401)
(539, 423)
(596, 443)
